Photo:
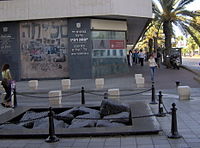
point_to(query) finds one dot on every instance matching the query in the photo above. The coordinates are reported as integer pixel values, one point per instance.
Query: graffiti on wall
(43, 46)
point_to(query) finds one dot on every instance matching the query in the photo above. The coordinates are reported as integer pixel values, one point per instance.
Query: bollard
(13, 94)
(15, 97)
(153, 99)
(160, 105)
(105, 95)
(52, 137)
(177, 83)
(174, 130)
(82, 95)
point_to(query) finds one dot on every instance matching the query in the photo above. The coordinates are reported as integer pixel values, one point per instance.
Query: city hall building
(74, 39)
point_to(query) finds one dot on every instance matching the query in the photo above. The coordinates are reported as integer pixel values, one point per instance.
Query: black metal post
(174, 130)
(105, 95)
(153, 98)
(177, 83)
(160, 105)
(52, 137)
(82, 95)
(15, 97)
(13, 94)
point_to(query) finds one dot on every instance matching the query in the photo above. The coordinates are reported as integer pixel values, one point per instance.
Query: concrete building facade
(69, 38)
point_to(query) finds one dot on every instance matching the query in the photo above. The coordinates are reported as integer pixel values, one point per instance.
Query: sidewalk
(188, 111)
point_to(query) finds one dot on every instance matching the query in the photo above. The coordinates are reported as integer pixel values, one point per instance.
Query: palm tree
(173, 12)
(149, 35)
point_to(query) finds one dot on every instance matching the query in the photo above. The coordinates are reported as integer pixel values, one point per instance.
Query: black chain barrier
(26, 94)
(53, 138)
(166, 109)
(23, 121)
(31, 96)
(83, 92)
(121, 95)
(144, 116)
(161, 106)
(104, 90)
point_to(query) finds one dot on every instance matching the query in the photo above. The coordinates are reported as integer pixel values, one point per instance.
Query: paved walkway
(188, 113)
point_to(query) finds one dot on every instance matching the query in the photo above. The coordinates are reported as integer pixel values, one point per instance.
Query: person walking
(153, 65)
(6, 82)
(135, 56)
(141, 56)
(130, 58)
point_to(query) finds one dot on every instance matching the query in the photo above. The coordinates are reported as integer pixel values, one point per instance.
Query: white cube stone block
(55, 97)
(184, 92)
(33, 84)
(99, 82)
(138, 75)
(66, 84)
(139, 82)
(114, 93)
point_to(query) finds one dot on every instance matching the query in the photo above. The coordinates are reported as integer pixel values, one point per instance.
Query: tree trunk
(167, 29)
(155, 43)
(150, 45)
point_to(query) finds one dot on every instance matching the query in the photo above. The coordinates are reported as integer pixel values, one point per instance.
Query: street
(191, 62)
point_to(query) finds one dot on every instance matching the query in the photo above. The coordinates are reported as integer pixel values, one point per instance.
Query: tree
(149, 35)
(196, 20)
(173, 12)
(191, 45)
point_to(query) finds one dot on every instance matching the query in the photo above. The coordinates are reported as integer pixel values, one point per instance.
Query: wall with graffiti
(43, 47)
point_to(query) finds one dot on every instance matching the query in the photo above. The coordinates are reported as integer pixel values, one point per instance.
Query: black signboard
(9, 47)
(80, 65)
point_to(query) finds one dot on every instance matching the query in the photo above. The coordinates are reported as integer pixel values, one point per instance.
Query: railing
(162, 110)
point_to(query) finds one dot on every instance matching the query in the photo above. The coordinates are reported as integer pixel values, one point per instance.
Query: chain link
(24, 121)
(86, 91)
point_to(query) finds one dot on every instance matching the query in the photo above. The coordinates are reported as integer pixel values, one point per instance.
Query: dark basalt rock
(74, 117)
(12, 126)
(44, 123)
(73, 111)
(33, 115)
(109, 107)
(78, 123)
(28, 124)
(122, 117)
(30, 115)
(88, 110)
(76, 111)
(67, 118)
(106, 123)
(70, 114)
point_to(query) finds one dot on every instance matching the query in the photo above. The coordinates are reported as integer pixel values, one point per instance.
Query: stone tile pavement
(188, 113)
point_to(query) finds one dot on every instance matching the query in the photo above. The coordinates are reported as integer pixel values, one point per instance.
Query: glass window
(102, 52)
(114, 52)
(121, 52)
(109, 35)
(100, 35)
(108, 52)
(108, 44)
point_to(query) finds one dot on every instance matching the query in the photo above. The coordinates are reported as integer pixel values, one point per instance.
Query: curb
(197, 77)
(191, 70)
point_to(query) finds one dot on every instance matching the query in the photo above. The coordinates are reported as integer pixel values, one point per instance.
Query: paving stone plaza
(187, 111)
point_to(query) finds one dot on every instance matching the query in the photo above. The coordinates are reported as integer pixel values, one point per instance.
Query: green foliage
(153, 32)
(173, 12)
